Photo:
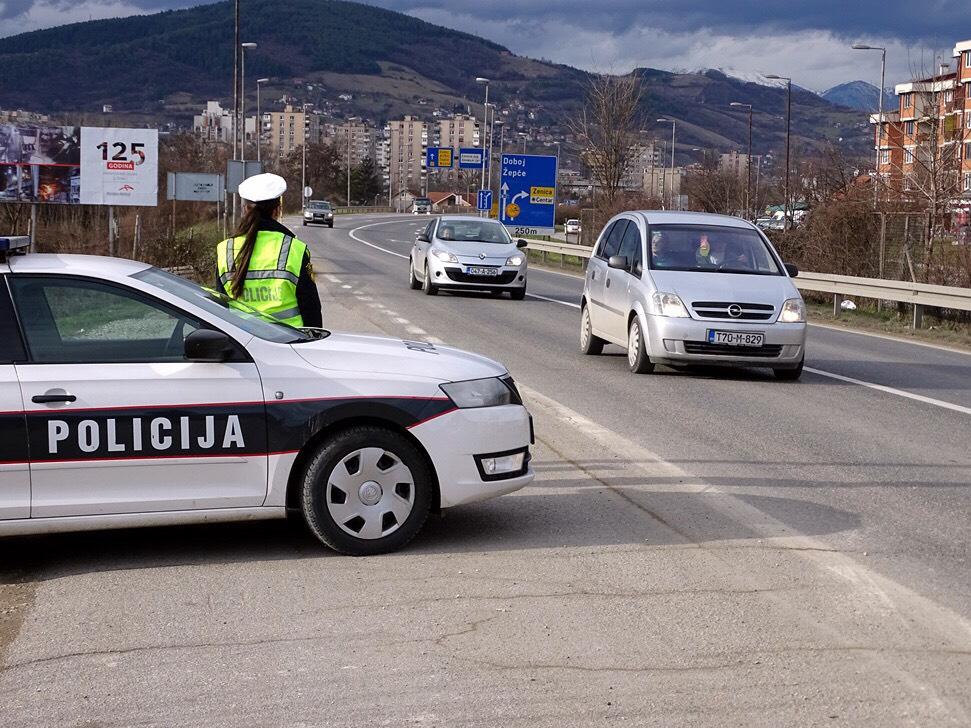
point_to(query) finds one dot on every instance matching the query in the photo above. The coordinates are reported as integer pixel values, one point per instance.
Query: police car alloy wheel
(637, 357)
(589, 344)
(413, 282)
(367, 491)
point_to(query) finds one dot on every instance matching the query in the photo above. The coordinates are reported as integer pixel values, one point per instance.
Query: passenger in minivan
(703, 254)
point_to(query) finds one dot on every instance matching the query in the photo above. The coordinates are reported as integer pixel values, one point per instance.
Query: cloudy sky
(806, 39)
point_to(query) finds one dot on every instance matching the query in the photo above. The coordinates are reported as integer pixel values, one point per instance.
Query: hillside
(168, 64)
(858, 95)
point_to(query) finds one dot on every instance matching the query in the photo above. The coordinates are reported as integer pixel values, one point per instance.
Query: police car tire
(589, 344)
(637, 357)
(413, 282)
(329, 455)
(427, 286)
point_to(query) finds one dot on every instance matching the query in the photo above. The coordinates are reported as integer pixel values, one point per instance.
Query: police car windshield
(223, 308)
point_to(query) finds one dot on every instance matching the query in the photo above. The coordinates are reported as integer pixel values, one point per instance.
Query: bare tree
(605, 130)
(713, 189)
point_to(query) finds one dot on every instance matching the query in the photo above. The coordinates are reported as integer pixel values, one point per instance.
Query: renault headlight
(445, 256)
(669, 304)
(793, 311)
(491, 392)
(515, 260)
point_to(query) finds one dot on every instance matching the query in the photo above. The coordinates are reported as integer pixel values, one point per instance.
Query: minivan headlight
(669, 304)
(445, 256)
(472, 393)
(793, 311)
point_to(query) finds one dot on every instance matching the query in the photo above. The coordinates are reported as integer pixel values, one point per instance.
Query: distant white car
(572, 227)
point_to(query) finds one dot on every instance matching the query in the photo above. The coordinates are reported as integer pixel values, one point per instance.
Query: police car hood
(383, 355)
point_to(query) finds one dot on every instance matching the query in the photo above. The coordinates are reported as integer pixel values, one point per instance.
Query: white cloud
(47, 13)
(815, 59)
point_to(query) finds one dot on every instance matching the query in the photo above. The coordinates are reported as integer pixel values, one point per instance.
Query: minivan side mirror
(206, 345)
(522, 244)
(792, 270)
(618, 261)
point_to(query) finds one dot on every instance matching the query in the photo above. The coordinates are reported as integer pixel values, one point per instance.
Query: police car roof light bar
(13, 244)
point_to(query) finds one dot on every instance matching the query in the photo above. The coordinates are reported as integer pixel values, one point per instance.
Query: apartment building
(406, 140)
(734, 163)
(457, 132)
(353, 138)
(932, 110)
(286, 131)
(215, 124)
(645, 157)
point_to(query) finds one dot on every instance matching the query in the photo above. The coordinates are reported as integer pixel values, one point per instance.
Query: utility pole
(235, 115)
(348, 128)
(485, 112)
(259, 120)
(674, 125)
(748, 160)
(785, 204)
(883, 75)
(242, 97)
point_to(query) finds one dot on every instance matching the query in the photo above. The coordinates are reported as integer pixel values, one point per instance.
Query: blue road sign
(484, 200)
(470, 158)
(527, 193)
(439, 157)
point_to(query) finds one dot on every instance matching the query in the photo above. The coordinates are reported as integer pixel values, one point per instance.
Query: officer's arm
(308, 297)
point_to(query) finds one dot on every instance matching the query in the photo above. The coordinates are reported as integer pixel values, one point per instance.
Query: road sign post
(527, 194)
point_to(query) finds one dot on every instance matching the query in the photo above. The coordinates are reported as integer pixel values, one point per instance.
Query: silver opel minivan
(682, 288)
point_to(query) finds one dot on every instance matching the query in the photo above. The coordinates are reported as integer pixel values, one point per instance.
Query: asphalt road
(699, 548)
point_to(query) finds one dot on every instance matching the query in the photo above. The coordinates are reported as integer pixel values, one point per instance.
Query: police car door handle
(52, 398)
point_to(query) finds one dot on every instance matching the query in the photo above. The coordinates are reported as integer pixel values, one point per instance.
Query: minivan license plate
(474, 271)
(735, 338)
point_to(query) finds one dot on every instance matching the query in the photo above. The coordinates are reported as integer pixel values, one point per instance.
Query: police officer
(264, 265)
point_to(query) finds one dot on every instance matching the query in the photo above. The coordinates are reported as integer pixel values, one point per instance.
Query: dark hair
(249, 226)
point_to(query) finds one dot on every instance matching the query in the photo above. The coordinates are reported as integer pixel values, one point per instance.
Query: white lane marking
(543, 269)
(554, 300)
(353, 234)
(332, 278)
(345, 286)
(400, 320)
(891, 390)
(888, 337)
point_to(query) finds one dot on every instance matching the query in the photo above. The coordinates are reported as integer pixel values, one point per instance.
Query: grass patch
(893, 322)
(557, 261)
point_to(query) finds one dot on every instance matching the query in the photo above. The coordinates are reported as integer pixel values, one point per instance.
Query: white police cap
(262, 187)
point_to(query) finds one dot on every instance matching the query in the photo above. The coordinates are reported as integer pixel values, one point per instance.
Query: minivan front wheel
(637, 358)
(589, 343)
(789, 375)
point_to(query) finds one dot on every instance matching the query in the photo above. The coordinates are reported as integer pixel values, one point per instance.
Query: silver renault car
(467, 253)
(681, 288)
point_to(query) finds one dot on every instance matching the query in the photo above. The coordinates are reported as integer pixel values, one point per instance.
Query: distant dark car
(319, 213)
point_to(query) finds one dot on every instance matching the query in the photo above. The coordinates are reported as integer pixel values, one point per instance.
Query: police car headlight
(515, 260)
(669, 304)
(793, 311)
(445, 256)
(491, 392)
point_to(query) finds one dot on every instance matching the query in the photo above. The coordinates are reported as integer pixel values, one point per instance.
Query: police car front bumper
(464, 444)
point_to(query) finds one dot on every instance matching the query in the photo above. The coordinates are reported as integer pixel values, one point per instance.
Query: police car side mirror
(618, 261)
(792, 270)
(522, 244)
(206, 345)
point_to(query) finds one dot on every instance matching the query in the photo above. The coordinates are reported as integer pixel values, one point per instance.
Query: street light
(303, 168)
(674, 125)
(502, 138)
(524, 136)
(748, 159)
(242, 102)
(883, 74)
(259, 119)
(485, 111)
(785, 203)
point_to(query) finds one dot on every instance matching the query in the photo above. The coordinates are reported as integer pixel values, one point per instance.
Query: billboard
(73, 165)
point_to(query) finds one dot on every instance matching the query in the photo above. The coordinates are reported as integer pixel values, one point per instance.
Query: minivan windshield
(472, 231)
(711, 249)
(222, 307)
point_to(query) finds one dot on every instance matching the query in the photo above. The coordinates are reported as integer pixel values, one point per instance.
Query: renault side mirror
(522, 244)
(618, 261)
(206, 345)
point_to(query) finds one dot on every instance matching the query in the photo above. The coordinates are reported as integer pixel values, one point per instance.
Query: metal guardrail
(919, 295)
(361, 210)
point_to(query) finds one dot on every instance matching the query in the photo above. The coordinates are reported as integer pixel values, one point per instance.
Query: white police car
(130, 396)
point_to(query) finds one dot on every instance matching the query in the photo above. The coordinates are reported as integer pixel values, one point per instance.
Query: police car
(133, 397)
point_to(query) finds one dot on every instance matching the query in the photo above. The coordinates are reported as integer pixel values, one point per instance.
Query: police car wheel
(367, 491)
(413, 282)
(589, 344)
(427, 286)
(637, 357)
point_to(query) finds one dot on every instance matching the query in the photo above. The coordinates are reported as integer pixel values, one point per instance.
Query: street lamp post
(485, 112)
(883, 75)
(748, 159)
(785, 202)
(674, 125)
(242, 102)
(259, 119)
(524, 136)
(303, 166)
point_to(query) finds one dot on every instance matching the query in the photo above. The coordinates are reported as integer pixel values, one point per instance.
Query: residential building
(665, 184)
(354, 138)
(215, 124)
(458, 131)
(734, 163)
(407, 140)
(286, 131)
(645, 157)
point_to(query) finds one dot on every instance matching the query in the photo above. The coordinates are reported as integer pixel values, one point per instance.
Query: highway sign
(527, 193)
(439, 157)
(470, 158)
(485, 200)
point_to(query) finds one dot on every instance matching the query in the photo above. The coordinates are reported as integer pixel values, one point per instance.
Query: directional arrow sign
(527, 193)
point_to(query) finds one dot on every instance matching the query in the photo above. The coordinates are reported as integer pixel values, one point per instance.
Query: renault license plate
(735, 338)
(478, 271)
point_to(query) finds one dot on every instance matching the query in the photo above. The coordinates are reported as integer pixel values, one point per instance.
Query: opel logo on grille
(481, 256)
(734, 310)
